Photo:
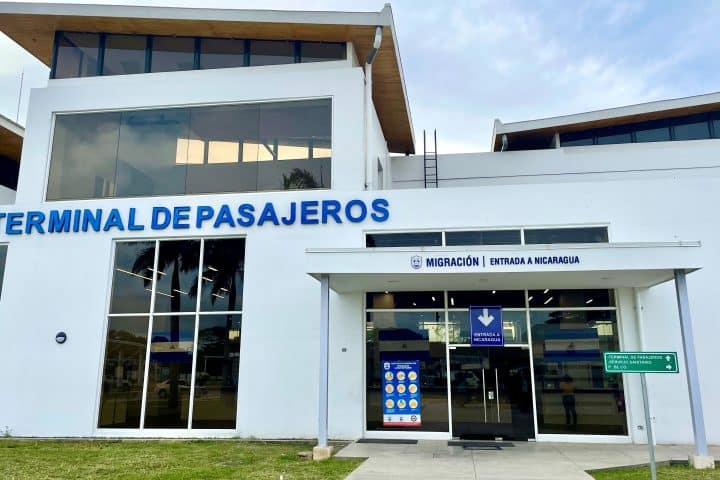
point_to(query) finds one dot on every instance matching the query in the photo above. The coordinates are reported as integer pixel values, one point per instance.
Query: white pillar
(701, 459)
(321, 451)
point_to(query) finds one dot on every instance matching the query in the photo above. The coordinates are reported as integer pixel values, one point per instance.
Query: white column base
(322, 453)
(701, 461)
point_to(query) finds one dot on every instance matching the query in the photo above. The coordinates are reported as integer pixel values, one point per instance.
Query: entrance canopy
(608, 265)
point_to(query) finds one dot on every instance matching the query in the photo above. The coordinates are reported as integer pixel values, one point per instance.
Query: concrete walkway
(559, 461)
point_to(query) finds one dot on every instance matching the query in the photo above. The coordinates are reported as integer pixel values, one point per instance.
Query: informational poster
(401, 393)
(486, 327)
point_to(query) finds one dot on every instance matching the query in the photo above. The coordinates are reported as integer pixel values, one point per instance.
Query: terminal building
(224, 226)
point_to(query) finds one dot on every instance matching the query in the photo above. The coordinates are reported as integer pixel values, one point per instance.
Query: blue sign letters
(306, 212)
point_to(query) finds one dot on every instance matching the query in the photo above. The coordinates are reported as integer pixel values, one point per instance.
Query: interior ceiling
(36, 33)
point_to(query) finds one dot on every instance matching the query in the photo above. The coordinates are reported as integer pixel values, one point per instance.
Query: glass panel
(502, 298)
(419, 239)
(661, 134)
(716, 128)
(176, 289)
(514, 327)
(221, 53)
(153, 152)
(83, 156)
(322, 51)
(124, 372)
(573, 393)
(132, 277)
(575, 139)
(77, 55)
(614, 138)
(124, 54)
(171, 54)
(388, 300)
(488, 237)
(3, 258)
(408, 336)
(287, 132)
(219, 165)
(167, 400)
(566, 235)
(271, 52)
(222, 278)
(216, 372)
(570, 298)
(692, 131)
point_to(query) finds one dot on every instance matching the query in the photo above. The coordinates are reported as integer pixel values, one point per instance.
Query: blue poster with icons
(401, 393)
(486, 327)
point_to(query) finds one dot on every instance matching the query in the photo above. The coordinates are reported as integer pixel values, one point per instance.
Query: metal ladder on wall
(430, 162)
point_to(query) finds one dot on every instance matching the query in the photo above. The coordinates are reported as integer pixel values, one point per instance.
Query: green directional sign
(641, 362)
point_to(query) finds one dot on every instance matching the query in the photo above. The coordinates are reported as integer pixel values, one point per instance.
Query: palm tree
(182, 256)
(299, 179)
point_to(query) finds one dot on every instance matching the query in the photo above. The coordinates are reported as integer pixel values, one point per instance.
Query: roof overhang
(33, 26)
(614, 265)
(11, 139)
(642, 112)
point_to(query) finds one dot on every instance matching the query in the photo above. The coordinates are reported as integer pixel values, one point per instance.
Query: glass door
(491, 393)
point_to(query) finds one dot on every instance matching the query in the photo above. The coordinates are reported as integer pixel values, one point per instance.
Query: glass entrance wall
(563, 334)
(173, 340)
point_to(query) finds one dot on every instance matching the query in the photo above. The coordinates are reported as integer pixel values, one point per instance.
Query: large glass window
(410, 239)
(222, 53)
(84, 152)
(76, 55)
(224, 148)
(154, 373)
(573, 393)
(271, 52)
(483, 237)
(172, 54)
(124, 54)
(322, 51)
(566, 235)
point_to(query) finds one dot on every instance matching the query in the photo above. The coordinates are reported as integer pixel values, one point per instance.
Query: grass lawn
(664, 473)
(167, 460)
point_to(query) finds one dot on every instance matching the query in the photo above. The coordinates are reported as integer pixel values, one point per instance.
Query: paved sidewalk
(433, 460)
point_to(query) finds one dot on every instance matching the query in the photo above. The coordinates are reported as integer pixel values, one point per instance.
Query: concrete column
(701, 458)
(322, 451)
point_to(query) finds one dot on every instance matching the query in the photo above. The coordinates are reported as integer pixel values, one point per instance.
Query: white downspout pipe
(367, 104)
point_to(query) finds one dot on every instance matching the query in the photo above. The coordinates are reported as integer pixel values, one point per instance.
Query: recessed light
(547, 301)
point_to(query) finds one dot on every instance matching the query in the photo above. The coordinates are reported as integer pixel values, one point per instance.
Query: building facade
(199, 189)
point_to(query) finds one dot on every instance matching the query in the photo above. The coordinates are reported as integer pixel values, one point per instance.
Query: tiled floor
(562, 461)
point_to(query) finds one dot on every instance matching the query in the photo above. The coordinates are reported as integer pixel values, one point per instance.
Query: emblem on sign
(416, 262)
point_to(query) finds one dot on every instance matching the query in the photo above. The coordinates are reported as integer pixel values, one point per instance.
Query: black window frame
(297, 50)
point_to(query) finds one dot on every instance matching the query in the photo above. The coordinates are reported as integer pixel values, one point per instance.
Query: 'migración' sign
(444, 261)
(308, 212)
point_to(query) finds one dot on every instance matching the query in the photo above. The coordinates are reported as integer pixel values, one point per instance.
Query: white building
(188, 175)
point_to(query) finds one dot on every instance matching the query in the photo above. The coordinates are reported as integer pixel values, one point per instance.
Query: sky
(468, 62)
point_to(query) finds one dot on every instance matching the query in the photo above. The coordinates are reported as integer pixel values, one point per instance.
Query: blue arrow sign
(486, 327)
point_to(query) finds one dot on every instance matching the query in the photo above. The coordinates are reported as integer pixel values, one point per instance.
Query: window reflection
(123, 372)
(271, 52)
(132, 277)
(229, 148)
(177, 270)
(221, 53)
(169, 374)
(77, 55)
(573, 393)
(222, 279)
(172, 54)
(124, 54)
(83, 156)
(216, 373)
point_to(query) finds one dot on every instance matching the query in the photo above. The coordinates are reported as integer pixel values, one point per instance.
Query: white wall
(7, 195)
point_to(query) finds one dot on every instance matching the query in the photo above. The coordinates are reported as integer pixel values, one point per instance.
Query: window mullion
(197, 330)
(143, 404)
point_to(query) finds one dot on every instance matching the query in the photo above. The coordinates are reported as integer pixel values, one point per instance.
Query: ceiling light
(224, 289)
(530, 298)
(210, 267)
(589, 301)
(386, 292)
(493, 292)
(433, 298)
(133, 274)
(414, 304)
(546, 290)
(180, 291)
(207, 279)
(547, 301)
(164, 294)
(452, 301)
